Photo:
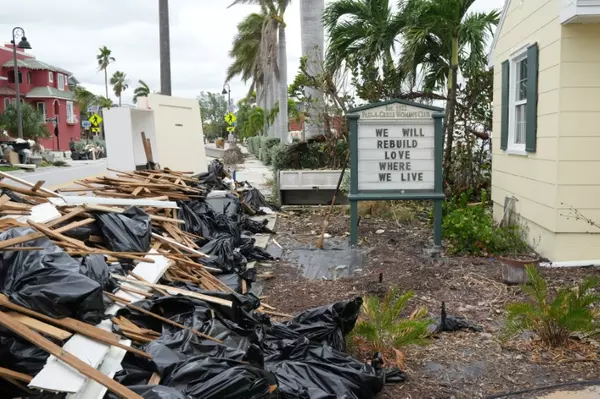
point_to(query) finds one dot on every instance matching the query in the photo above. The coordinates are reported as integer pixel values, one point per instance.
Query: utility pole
(165, 47)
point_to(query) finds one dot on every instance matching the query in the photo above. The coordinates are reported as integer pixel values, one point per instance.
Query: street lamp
(227, 90)
(18, 33)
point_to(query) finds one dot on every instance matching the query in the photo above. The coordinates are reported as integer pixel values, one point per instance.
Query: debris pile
(139, 285)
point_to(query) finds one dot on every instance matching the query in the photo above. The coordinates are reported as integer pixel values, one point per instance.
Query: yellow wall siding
(531, 179)
(542, 240)
(572, 247)
(578, 175)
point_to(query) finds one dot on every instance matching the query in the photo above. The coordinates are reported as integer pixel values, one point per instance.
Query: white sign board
(396, 149)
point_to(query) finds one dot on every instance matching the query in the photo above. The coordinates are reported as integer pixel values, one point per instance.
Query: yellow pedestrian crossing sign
(231, 128)
(95, 120)
(230, 118)
(95, 130)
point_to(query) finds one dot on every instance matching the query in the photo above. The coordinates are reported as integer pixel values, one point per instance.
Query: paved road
(55, 177)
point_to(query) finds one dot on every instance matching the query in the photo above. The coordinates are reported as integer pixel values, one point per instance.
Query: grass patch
(8, 168)
(395, 210)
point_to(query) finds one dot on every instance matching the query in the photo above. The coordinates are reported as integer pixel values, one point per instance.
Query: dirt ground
(453, 365)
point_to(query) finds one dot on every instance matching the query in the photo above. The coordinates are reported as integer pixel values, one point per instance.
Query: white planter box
(308, 187)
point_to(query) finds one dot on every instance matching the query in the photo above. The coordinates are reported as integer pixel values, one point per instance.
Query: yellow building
(546, 141)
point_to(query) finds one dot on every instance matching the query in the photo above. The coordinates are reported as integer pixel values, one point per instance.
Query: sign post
(396, 150)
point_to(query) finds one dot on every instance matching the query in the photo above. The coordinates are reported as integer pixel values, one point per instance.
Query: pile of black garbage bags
(259, 358)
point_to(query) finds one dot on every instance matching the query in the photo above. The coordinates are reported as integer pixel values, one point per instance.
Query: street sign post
(396, 151)
(230, 118)
(93, 109)
(95, 120)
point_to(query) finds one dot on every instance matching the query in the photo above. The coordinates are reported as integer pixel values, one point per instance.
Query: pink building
(44, 86)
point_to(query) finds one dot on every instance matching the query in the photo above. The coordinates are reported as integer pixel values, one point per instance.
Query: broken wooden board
(109, 367)
(74, 200)
(57, 376)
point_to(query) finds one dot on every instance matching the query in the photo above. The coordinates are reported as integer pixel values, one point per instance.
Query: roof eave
(497, 34)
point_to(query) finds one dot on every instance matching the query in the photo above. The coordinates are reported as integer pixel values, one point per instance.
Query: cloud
(68, 33)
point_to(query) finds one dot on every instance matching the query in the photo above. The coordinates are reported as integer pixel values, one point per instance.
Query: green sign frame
(436, 195)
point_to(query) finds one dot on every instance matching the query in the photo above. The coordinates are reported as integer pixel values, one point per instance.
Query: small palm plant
(553, 320)
(381, 326)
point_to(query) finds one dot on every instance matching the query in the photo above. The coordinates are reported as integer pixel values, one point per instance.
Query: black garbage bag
(256, 200)
(255, 227)
(212, 179)
(48, 280)
(126, 232)
(308, 370)
(448, 323)
(220, 378)
(95, 267)
(152, 392)
(326, 324)
(199, 218)
(21, 356)
(252, 252)
(232, 280)
(223, 254)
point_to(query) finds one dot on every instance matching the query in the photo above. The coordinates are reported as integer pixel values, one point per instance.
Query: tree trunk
(312, 33)
(106, 82)
(165, 47)
(273, 126)
(119, 100)
(450, 108)
(283, 89)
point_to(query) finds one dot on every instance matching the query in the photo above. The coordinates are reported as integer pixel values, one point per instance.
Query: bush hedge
(265, 149)
(254, 145)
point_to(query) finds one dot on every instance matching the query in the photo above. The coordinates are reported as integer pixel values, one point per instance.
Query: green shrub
(280, 159)
(381, 326)
(470, 229)
(265, 149)
(553, 320)
(254, 145)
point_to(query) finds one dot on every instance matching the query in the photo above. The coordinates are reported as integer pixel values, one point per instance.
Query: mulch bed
(454, 365)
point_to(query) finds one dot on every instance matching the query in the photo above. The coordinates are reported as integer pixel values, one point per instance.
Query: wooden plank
(4, 199)
(55, 350)
(40, 326)
(15, 375)
(71, 214)
(206, 298)
(28, 184)
(95, 333)
(37, 185)
(154, 379)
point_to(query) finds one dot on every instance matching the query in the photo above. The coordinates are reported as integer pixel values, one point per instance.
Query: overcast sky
(68, 33)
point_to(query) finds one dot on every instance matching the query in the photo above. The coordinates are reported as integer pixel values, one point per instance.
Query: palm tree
(143, 90)
(32, 121)
(364, 35)
(313, 43)
(274, 52)
(104, 59)
(442, 36)
(120, 84)
(247, 62)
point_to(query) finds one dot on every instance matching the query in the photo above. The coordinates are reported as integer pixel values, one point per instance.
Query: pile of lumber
(173, 257)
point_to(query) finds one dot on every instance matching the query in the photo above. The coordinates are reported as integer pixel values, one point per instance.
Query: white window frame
(44, 108)
(28, 78)
(6, 103)
(50, 76)
(513, 147)
(71, 112)
(60, 85)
